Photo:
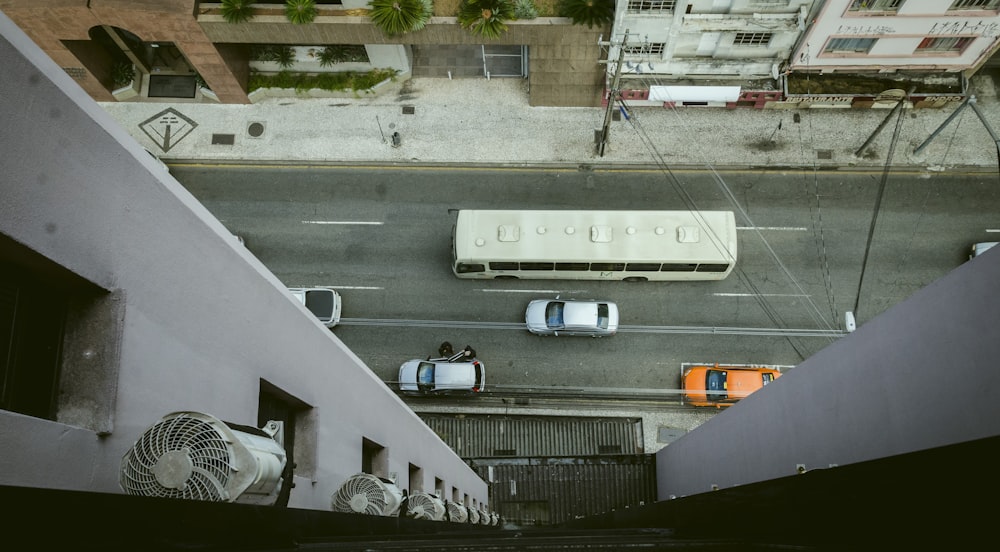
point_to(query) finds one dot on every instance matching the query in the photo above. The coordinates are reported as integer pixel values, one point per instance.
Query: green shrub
(342, 53)
(284, 55)
(300, 12)
(485, 18)
(333, 82)
(122, 74)
(588, 12)
(396, 17)
(525, 9)
(237, 11)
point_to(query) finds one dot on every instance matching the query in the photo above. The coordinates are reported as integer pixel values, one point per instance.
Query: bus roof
(634, 236)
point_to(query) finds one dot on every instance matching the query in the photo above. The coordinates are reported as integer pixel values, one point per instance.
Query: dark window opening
(572, 266)
(643, 267)
(466, 268)
(537, 266)
(713, 267)
(606, 267)
(503, 266)
(678, 267)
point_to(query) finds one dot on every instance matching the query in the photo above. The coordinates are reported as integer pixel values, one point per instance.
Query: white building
(886, 36)
(704, 52)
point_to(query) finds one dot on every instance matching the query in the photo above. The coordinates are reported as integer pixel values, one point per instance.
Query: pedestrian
(445, 350)
(469, 352)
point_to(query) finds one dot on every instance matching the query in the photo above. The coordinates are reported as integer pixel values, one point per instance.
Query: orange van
(720, 386)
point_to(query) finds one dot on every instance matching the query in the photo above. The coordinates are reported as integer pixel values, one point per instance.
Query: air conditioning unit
(421, 505)
(365, 493)
(484, 517)
(457, 512)
(196, 456)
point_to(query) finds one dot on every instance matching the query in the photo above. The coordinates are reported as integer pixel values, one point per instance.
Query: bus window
(643, 267)
(572, 266)
(678, 267)
(606, 267)
(537, 266)
(465, 268)
(713, 267)
(503, 266)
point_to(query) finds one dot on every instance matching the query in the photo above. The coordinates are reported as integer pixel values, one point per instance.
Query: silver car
(441, 376)
(571, 317)
(322, 302)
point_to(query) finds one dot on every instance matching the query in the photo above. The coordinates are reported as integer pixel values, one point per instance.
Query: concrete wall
(922, 374)
(203, 322)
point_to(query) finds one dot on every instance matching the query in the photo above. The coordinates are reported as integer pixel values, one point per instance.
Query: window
(644, 267)
(678, 267)
(416, 478)
(59, 341)
(503, 266)
(849, 45)
(645, 49)
(607, 267)
(374, 458)
(876, 5)
(537, 266)
(651, 6)
(713, 267)
(953, 44)
(752, 39)
(275, 404)
(465, 268)
(974, 5)
(572, 266)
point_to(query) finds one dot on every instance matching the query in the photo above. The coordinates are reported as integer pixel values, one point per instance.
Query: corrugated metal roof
(548, 491)
(483, 436)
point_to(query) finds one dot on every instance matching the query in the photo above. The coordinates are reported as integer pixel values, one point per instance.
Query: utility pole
(613, 93)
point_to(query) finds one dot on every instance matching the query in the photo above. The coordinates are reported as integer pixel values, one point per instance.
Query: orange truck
(721, 385)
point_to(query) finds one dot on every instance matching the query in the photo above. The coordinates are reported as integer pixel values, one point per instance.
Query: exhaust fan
(421, 505)
(457, 512)
(195, 456)
(365, 493)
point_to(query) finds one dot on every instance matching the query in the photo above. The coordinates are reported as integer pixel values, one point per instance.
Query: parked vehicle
(322, 302)
(980, 248)
(571, 317)
(719, 385)
(442, 376)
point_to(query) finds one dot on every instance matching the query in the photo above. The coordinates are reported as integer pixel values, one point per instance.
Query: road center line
(783, 228)
(993, 230)
(360, 222)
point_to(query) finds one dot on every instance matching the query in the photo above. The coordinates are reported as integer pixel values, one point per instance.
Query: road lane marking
(780, 228)
(761, 295)
(360, 222)
(532, 291)
(993, 230)
(339, 287)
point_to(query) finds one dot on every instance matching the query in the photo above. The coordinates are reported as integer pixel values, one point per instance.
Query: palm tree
(396, 17)
(237, 11)
(485, 18)
(300, 12)
(588, 12)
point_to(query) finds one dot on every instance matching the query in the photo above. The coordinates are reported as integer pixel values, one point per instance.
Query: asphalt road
(382, 237)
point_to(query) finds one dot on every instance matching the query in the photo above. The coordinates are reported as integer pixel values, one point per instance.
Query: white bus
(594, 245)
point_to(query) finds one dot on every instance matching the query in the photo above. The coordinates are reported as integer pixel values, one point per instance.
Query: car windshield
(320, 303)
(554, 314)
(425, 376)
(715, 384)
(602, 316)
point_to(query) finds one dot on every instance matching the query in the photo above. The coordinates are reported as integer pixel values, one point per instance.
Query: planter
(127, 92)
(262, 94)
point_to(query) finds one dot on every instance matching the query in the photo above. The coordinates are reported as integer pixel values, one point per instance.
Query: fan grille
(201, 442)
(362, 493)
(424, 506)
(457, 512)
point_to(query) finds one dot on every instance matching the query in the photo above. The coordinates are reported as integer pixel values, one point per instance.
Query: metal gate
(505, 61)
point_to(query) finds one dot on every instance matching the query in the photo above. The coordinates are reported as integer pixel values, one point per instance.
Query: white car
(322, 302)
(571, 317)
(441, 376)
(980, 248)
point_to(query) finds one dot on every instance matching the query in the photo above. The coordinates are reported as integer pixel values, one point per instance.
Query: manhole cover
(224, 139)
(409, 110)
(255, 130)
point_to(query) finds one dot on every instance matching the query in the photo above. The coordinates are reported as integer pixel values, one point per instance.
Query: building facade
(122, 300)
(704, 52)
(190, 39)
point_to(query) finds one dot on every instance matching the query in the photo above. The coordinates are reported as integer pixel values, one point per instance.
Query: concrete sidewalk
(478, 121)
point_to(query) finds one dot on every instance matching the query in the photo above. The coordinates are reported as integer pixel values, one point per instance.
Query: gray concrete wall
(923, 374)
(203, 320)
